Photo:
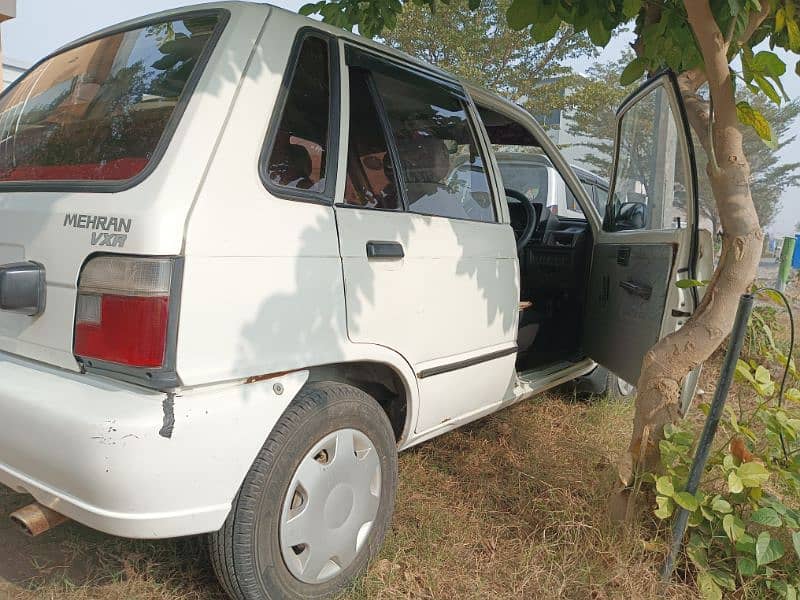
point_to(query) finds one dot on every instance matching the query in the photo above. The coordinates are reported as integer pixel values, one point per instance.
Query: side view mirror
(631, 215)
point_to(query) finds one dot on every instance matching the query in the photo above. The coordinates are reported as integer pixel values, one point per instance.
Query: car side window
(370, 174)
(601, 198)
(441, 169)
(524, 166)
(651, 187)
(297, 160)
(572, 201)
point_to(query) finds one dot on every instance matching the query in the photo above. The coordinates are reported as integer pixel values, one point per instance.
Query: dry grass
(513, 506)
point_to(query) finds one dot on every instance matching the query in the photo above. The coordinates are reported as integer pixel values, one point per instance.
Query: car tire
(619, 389)
(334, 451)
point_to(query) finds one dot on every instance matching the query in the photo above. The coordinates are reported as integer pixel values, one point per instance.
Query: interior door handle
(385, 250)
(637, 289)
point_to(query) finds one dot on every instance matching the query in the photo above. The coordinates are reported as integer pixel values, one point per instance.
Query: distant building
(12, 69)
(557, 124)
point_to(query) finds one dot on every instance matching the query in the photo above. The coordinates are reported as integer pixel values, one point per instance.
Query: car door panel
(451, 295)
(634, 299)
(625, 310)
(441, 291)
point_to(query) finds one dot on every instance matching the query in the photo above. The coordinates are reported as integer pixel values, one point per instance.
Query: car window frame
(664, 77)
(113, 186)
(553, 164)
(370, 61)
(327, 195)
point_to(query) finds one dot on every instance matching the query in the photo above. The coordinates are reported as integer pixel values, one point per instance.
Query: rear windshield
(97, 112)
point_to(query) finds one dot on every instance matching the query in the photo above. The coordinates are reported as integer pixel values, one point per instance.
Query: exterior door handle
(385, 250)
(637, 289)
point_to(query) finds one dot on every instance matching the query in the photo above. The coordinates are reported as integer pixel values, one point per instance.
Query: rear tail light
(123, 310)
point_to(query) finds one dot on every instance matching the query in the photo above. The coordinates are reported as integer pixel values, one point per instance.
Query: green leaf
(796, 543)
(631, 8)
(746, 566)
(762, 375)
(723, 578)
(734, 527)
(765, 86)
(746, 544)
(632, 72)
(768, 63)
(686, 500)
(698, 555)
(793, 394)
(780, 20)
(522, 13)
(743, 370)
(793, 31)
(664, 486)
(766, 516)
(767, 549)
(709, 590)
(543, 31)
(690, 283)
(753, 474)
(310, 9)
(721, 505)
(735, 484)
(750, 116)
(598, 33)
(665, 507)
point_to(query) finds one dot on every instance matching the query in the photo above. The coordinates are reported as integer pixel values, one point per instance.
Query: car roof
(299, 21)
(303, 21)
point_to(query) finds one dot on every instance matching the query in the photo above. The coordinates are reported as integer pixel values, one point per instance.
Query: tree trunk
(670, 360)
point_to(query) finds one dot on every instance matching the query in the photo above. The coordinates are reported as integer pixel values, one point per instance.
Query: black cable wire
(788, 359)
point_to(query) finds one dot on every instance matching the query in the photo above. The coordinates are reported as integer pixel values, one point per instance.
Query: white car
(536, 177)
(540, 181)
(236, 279)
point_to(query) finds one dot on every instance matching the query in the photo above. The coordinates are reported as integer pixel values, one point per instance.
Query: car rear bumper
(128, 461)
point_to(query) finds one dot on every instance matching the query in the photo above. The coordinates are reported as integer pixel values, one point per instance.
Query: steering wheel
(524, 234)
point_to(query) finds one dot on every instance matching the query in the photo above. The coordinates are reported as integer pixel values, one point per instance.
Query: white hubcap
(330, 506)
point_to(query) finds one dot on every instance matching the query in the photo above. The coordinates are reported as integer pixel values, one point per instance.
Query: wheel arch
(384, 382)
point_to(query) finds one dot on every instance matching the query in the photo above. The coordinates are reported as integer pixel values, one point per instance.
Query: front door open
(649, 236)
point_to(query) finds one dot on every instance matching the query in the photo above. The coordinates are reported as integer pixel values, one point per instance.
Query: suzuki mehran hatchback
(237, 276)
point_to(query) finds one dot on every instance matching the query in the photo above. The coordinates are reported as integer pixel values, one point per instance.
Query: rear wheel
(316, 504)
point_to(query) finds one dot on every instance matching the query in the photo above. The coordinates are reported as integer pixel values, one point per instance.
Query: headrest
(299, 159)
(425, 159)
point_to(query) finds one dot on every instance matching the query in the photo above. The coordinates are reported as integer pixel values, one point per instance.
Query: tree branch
(698, 110)
(755, 21)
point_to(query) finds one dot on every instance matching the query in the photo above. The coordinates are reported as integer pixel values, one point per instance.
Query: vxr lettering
(108, 239)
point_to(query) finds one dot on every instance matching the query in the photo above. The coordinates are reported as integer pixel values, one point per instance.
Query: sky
(42, 26)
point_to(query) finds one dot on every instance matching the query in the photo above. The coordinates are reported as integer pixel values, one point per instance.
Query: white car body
(275, 293)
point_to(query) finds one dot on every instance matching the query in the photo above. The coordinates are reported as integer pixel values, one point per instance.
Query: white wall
(12, 69)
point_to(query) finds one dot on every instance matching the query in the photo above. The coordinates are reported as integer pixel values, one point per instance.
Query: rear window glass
(98, 111)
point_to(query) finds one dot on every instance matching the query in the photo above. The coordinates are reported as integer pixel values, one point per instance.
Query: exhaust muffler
(35, 519)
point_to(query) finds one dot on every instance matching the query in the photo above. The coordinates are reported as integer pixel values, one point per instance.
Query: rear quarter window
(98, 111)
